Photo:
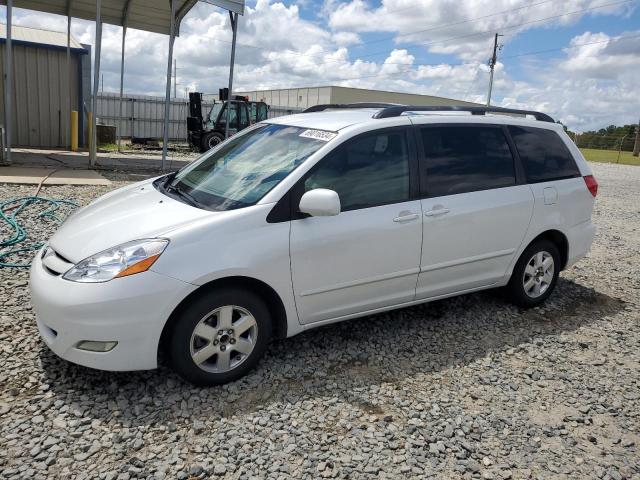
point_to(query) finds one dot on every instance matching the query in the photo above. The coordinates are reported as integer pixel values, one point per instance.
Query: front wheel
(220, 337)
(535, 275)
(211, 140)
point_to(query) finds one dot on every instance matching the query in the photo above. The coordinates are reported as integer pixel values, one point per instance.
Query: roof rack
(326, 106)
(397, 110)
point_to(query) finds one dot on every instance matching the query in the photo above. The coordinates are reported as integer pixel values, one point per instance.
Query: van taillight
(592, 184)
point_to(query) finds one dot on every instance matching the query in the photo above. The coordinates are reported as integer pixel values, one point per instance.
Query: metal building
(44, 90)
(301, 98)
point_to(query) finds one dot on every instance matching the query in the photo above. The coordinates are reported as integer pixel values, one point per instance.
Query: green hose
(9, 211)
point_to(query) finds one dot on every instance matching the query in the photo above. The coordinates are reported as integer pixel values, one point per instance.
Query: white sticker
(319, 135)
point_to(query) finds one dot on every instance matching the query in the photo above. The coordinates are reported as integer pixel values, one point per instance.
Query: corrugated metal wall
(143, 115)
(293, 98)
(41, 85)
(354, 95)
(302, 98)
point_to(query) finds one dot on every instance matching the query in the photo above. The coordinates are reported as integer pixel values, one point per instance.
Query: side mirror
(320, 202)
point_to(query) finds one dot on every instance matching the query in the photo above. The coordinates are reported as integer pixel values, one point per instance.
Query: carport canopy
(158, 16)
(148, 15)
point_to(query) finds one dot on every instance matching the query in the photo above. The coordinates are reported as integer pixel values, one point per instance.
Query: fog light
(93, 346)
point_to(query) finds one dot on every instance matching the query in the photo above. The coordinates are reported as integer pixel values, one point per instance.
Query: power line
(447, 40)
(540, 52)
(473, 65)
(491, 31)
(524, 54)
(461, 22)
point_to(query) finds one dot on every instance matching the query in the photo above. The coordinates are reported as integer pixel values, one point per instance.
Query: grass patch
(609, 156)
(108, 147)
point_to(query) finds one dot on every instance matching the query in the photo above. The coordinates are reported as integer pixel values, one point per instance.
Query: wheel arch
(559, 239)
(266, 292)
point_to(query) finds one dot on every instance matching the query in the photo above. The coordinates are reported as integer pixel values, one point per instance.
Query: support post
(636, 143)
(167, 100)
(120, 119)
(67, 124)
(234, 28)
(620, 147)
(8, 84)
(93, 139)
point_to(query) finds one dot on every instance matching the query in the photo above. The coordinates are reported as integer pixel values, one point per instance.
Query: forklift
(206, 133)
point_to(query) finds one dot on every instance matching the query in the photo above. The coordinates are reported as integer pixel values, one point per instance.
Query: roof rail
(326, 106)
(397, 110)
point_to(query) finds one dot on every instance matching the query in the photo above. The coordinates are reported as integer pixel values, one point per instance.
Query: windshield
(242, 170)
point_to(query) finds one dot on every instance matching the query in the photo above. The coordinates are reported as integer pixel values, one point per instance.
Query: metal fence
(143, 115)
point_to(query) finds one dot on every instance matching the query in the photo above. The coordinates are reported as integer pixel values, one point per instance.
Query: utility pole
(636, 145)
(492, 65)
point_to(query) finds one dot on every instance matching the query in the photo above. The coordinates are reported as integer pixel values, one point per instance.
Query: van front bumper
(131, 311)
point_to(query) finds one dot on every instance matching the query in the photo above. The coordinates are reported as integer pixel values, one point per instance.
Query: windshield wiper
(181, 193)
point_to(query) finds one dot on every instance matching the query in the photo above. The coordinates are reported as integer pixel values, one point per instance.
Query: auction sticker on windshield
(319, 135)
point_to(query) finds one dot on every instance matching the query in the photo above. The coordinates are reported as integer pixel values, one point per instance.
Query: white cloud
(443, 26)
(596, 55)
(346, 38)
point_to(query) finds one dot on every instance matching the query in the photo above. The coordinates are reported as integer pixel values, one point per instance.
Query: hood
(130, 213)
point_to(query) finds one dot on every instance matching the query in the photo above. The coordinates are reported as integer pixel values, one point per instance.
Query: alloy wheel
(538, 274)
(223, 339)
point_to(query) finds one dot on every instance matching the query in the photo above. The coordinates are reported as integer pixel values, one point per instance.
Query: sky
(577, 60)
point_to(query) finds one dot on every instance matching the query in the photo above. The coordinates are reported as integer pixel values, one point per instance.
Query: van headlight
(126, 259)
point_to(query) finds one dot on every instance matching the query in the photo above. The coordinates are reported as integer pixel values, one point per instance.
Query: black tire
(184, 338)
(211, 140)
(516, 288)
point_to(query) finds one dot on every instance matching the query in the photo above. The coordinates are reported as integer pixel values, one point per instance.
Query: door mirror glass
(320, 202)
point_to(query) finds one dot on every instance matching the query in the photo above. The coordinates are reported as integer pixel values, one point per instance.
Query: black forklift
(205, 133)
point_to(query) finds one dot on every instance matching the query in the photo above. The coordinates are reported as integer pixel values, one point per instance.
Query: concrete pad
(63, 176)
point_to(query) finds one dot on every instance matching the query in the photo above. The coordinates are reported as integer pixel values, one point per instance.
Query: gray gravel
(469, 387)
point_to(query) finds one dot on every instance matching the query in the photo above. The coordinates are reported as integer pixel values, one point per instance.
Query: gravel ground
(469, 387)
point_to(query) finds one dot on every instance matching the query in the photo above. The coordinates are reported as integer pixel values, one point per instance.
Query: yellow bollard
(74, 130)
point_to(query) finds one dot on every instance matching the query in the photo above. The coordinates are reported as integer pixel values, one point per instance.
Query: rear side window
(465, 159)
(370, 170)
(544, 155)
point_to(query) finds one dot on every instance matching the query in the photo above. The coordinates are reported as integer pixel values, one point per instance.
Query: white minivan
(300, 221)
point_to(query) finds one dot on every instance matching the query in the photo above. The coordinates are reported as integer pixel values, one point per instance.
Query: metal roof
(147, 15)
(38, 36)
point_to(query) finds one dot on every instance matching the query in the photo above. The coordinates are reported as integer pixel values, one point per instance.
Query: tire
(211, 140)
(207, 346)
(532, 281)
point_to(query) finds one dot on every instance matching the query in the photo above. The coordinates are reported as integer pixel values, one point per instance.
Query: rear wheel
(220, 337)
(535, 275)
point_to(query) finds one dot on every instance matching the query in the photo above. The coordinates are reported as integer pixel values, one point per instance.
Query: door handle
(406, 217)
(436, 212)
